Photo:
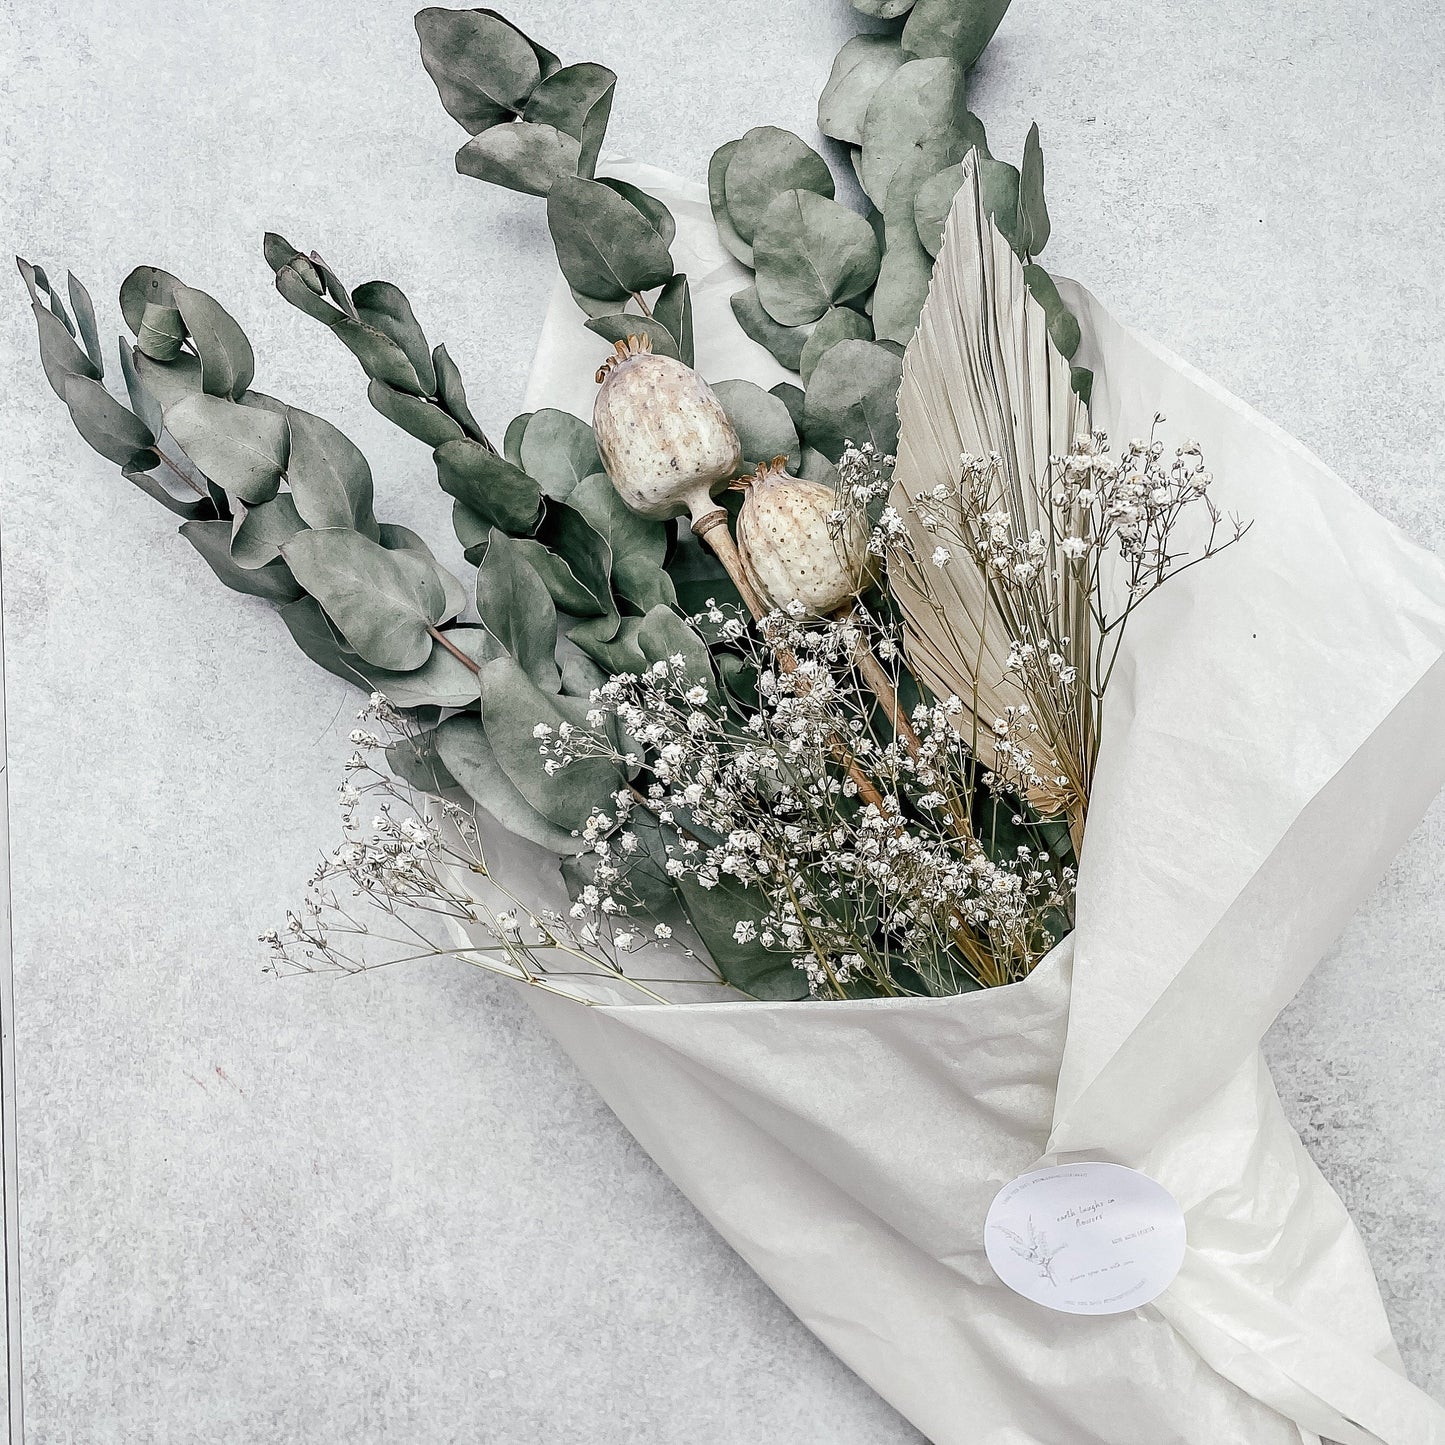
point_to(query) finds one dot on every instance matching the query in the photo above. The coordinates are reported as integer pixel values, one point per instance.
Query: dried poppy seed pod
(667, 444)
(791, 552)
(665, 440)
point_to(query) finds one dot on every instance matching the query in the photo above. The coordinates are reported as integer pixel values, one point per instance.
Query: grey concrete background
(388, 1210)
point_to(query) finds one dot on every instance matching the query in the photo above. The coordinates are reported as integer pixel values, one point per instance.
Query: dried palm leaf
(981, 377)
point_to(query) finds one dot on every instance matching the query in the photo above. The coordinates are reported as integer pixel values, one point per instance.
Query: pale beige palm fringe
(980, 376)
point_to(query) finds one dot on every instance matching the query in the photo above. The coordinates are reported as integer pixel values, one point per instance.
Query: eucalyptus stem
(438, 635)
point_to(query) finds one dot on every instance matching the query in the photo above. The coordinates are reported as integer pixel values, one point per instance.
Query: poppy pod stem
(712, 529)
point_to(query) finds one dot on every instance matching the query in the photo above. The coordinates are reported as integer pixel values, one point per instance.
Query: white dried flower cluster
(387, 893)
(888, 892)
(1063, 560)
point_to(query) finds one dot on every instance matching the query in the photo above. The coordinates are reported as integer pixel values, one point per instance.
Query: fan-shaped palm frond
(981, 380)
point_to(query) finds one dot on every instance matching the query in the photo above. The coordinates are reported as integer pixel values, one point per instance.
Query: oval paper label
(1086, 1239)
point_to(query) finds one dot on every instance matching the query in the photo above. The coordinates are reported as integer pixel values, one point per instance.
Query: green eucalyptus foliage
(538, 127)
(282, 511)
(764, 425)
(897, 100)
(571, 586)
(861, 66)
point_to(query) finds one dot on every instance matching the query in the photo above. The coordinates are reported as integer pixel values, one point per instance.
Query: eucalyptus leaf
(907, 267)
(931, 205)
(278, 251)
(142, 402)
(85, 320)
(524, 156)
(717, 198)
(917, 112)
(329, 478)
(482, 67)
(673, 309)
(766, 163)
(817, 468)
(380, 357)
(116, 433)
(784, 342)
(1033, 213)
(1082, 380)
(512, 440)
(300, 283)
(242, 449)
(442, 680)
(396, 538)
(791, 397)
(502, 494)
(569, 536)
(318, 640)
(998, 189)
(558, 449)
(331, 286)
(385, 308)
(762, 421)
(228, 364)
(212, 540)
(547, 62)
(146, 476)
(1063, 327)
(57, 306)
(853, 397)
(622, 324)
(656, 213)
(261, 533)
(581, 677)
(715, 914)
(146, 286)
(812, 253)
(517, 608)
(383, 603)
(169, 382)
(638, 544)
(467, 755)
(452, 394)
(958, 29)
(839, 323)
(415, 761)
(567, 591)
(61, 357)
(595, 305)
(640, 641)
(861, 66)
(512, 707)
(416, 415)
(577, 100)
(606, 246)
(162, 332)
(473, 531)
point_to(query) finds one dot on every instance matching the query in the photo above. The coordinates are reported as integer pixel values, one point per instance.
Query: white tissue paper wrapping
(1272, 734)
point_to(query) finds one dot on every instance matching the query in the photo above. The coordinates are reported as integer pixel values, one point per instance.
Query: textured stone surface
(389, 1210)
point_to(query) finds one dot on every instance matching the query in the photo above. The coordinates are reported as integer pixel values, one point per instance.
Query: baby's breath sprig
(1034, 582)
(893, 896)
(393, 890)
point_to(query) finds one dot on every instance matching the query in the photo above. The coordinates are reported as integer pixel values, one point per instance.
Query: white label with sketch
(1086, 1239)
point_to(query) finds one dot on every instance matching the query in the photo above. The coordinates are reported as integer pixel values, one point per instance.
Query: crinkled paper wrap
(1272, 735)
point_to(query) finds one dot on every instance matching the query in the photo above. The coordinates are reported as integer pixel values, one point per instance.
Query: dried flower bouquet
(893, 720)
